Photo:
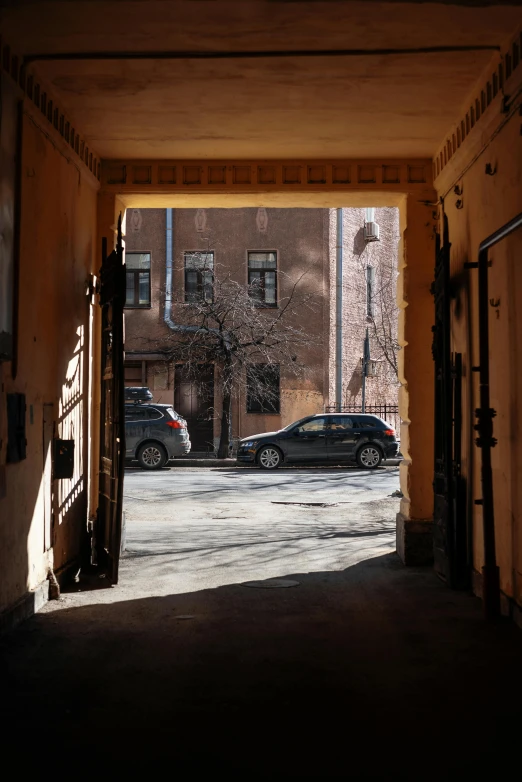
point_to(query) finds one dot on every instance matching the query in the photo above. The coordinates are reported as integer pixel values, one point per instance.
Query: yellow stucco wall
(487, 203)
(57, 254)
(416, 261)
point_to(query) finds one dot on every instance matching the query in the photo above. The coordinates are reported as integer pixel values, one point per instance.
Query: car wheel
(269, 458)
(369, 456)
(152, 456)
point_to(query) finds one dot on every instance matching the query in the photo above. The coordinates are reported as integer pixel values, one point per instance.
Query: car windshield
(295, 423)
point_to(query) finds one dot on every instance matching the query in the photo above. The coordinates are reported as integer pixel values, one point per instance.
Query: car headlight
(249, 444)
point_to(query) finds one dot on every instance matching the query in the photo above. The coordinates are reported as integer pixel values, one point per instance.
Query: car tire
(269, 457)
(369, 456)
(152, 456)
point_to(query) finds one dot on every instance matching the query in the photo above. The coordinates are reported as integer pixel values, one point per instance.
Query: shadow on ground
(374, 672)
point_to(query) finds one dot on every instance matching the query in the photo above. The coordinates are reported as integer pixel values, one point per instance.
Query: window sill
(138, 307)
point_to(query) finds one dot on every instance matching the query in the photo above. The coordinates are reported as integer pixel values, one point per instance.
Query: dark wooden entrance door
(194, 400)
(450, 539)
(112, 414)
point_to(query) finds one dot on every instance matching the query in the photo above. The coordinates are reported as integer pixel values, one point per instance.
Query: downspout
(484, 426)
(339, 313)
(168, 272)
(168, 280)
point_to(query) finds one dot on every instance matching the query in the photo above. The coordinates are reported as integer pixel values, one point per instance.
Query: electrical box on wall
(372, 369)
(371, 232)
(63, 459)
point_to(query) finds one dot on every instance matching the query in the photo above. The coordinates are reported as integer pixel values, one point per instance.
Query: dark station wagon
(154, 433)
(330, 438)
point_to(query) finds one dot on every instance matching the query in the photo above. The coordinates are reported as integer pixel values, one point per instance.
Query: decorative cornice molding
(244, 176)
(494, 92)
(35, 90)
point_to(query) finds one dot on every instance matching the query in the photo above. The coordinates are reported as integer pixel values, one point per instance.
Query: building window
(263, 389)
(199, 276)
(370, 291)
(133, 374)
(262, 278)
(137, 274)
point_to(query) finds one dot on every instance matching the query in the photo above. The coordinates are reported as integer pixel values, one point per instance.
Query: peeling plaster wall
(488, 203)
(57, 254)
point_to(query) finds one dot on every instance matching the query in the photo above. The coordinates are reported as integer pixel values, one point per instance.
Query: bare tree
(383, 316)
(249, 345)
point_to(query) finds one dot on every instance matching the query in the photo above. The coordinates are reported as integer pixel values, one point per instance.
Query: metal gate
(112, 412)
(449, 512)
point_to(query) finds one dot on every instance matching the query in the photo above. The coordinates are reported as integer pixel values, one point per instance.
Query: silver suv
(154, 434)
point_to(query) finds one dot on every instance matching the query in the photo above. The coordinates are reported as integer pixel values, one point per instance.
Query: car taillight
(174, 424)
(391, 432)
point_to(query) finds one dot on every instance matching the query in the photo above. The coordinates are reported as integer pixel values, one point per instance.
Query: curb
(233, 463)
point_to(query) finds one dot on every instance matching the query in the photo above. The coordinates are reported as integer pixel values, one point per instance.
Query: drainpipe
(168, 273)
(167, 315)
(339, 313)
(485, 415)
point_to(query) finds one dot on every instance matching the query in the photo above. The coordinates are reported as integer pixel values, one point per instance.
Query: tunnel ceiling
(379, 105)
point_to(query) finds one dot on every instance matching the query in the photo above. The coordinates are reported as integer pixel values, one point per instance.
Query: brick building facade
(369, 304)
(161, 248)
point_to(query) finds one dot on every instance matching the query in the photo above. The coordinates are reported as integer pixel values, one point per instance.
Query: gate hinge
(485, 427)
(482, 441)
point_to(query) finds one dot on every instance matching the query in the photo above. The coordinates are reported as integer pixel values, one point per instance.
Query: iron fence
(390, 413)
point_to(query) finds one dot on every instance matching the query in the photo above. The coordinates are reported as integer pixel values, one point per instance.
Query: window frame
(136, 274)
(248, 401)
(343, 417)
(200, 284)
(263, 304)
(361, 425)
(143, 409)
(314, 419)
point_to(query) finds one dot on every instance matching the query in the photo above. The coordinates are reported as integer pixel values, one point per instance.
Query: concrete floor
(369, 671)
(189, 529)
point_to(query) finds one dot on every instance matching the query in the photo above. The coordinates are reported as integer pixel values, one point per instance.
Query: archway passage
(289, 124)
(110, 105)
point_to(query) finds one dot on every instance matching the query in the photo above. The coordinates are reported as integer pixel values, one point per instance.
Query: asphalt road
(196, 528)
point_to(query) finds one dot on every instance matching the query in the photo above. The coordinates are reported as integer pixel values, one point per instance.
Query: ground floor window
(263, 389)
(133, 373)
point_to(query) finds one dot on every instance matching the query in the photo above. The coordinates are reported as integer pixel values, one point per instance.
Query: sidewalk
(375, 672)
